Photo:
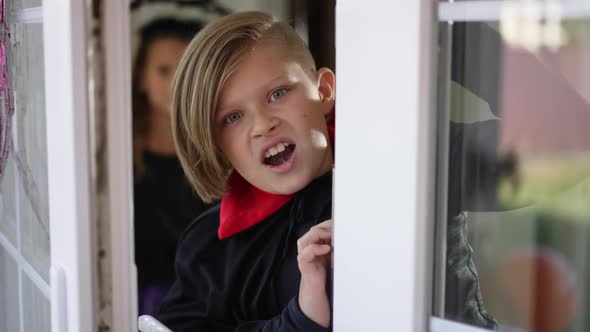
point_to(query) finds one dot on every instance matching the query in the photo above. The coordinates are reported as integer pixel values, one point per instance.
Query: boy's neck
(159, 139)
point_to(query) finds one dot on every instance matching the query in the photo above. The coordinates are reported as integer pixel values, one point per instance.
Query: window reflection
(519, 180)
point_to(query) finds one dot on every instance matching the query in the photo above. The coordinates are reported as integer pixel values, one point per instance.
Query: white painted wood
(443, 325)
(478, 11)
(119, 154)
(66, 96)
(25, 266)
(59, 318)
(384, 165)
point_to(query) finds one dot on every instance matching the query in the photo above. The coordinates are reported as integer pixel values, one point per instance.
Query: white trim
(477, 11)
(28, 15)
(21, 306)
(444, 325)
(35, 278)
(120, 178)
(18, 183)
(23, 265)
(382, 206)
(16, 251)
(59, 322)
(68, 164)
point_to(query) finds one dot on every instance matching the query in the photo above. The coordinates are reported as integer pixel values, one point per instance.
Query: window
(513, 166)
(24, 212)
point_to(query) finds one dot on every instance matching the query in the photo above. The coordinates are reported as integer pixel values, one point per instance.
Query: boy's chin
(285, 187)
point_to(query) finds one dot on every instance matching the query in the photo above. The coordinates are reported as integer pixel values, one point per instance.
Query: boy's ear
(326, 81)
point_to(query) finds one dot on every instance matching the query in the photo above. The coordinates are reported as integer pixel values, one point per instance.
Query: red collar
(245, 205)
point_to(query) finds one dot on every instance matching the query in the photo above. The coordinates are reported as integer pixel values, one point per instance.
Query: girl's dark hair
(156, 30)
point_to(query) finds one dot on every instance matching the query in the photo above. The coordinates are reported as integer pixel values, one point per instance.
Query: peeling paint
(99, 167)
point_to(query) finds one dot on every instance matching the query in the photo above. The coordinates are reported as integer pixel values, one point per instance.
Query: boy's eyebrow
(284, 76)
(281, 77)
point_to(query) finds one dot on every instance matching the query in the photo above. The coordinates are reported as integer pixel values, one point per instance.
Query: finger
(313, 251)
(328, 224)
(316, 235)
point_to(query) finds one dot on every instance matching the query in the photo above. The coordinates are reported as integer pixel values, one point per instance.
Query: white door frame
(383, 201)
(73, 265)
(384, 72)
(117, 47)
(66, 95)
(384, 178)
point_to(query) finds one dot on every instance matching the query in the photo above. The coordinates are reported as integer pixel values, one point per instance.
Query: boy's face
(270, 123)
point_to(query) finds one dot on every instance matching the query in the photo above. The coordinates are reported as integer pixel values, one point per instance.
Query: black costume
(250, 281)
(164, 206)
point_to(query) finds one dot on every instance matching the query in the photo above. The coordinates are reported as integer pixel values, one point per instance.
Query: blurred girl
(164, 201)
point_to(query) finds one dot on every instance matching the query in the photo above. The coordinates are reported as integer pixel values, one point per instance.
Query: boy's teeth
(276, 149)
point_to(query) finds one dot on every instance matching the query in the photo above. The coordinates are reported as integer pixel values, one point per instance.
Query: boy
(249, 114)
(252, 127)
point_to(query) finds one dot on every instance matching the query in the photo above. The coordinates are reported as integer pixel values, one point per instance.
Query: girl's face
(270, 124)
(162, 59)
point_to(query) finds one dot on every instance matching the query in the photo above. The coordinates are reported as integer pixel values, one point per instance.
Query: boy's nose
(264, 124)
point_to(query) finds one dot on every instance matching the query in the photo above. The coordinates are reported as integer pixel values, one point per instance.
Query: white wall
(279, 8)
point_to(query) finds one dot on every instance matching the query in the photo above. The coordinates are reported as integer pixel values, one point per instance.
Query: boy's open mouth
(279, 154)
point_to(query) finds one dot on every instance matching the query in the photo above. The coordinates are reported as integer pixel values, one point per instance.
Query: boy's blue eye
(278, 94)
(232, 117)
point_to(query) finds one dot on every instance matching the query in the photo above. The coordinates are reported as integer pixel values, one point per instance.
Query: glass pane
(8, 293)
(28, 3)
(36, 308)
(517, 211)
(8, 207)
(27, 82)
(34, 238)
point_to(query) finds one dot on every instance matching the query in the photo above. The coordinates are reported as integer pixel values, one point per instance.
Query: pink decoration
(5, 137)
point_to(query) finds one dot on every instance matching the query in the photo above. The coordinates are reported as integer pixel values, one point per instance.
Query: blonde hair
(210, 59)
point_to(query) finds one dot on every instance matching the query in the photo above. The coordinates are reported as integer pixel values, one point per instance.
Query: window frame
(389, 254)
(14, 250)
(477, 11)
(68, 166)
(70, 133)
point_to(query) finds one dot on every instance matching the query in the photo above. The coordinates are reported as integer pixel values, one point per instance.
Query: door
(25, 227)
(48, 172)
(462, 166)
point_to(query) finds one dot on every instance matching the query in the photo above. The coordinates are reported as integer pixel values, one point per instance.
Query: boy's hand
(314, 253)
